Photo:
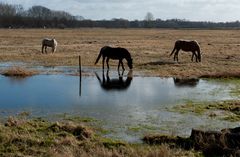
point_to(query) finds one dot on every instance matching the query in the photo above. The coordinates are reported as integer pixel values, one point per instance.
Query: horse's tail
(199, 56)
(43, 44)
(199, 51)
(54, 44)
(173, 51)
(99, 56)
(173, 48)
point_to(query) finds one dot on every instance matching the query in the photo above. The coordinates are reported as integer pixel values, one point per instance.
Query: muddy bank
(212, 143)
(227, 74)
(16, 68)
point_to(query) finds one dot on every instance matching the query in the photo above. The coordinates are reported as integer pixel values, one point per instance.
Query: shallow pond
(128, 106)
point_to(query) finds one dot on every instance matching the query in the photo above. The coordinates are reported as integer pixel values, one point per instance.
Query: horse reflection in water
(186, 82)
(119, 83)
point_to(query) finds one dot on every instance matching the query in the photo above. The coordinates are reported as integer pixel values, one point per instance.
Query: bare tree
(7, 10)
(62, 15)
(149, 16)
(39, 12)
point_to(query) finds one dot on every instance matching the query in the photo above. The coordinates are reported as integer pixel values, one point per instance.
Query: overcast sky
(195, 10)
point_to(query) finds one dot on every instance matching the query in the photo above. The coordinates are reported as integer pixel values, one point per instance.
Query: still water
(124, 104)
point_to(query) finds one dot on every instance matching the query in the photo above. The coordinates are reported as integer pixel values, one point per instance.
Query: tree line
(15, 16)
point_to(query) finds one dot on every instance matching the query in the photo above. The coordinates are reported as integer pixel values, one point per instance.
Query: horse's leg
(107, 63)
(54, 49)
(119, 65)
(42, 48)
(120, 62)
(196, 56)
(193, 54)
(176, 55)
(172, 51)
(122, 65)
(199, 56)
(45, 49)
(103, 60)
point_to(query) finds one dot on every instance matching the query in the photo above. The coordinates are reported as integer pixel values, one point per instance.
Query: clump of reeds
(18, 72)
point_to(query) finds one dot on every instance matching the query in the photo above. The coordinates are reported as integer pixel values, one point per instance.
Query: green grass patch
(235, 85)
(232, 118)
(80, 119)
(110, 143)
(233, 107)
(190, 107)
(135, 128)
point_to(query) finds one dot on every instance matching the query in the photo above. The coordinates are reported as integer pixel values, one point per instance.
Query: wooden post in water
(80, 76)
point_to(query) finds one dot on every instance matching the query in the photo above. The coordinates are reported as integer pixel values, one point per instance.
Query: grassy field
(150, 49)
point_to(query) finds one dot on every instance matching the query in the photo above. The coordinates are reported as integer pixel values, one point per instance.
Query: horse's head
(199, 56)
(130, 63)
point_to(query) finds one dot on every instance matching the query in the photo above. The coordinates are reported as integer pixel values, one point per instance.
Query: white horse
(49, 43)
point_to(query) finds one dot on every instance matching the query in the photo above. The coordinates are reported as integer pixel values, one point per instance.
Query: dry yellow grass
(18, 72)
(150, 49)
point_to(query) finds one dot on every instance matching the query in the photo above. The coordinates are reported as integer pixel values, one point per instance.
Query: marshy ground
(69, 137)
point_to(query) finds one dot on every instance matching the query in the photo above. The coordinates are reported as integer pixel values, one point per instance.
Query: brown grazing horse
(188, 46)
(115, 54)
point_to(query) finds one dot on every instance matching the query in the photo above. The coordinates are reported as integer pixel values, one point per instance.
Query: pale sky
(195, 10)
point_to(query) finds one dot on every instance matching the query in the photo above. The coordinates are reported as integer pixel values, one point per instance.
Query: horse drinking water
(188, 46)
(117, 53)
(49, 43)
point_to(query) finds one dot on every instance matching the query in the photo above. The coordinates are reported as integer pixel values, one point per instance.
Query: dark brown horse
(115, 54)
(188, 46)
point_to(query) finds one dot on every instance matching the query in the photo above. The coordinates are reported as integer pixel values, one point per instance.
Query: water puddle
(128, 105)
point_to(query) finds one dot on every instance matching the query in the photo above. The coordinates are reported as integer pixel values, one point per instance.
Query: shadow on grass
(160, 62)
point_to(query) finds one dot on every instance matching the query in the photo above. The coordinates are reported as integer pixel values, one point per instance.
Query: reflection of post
(80, 77)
